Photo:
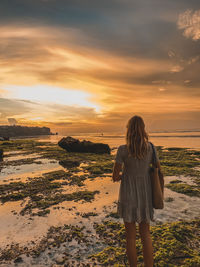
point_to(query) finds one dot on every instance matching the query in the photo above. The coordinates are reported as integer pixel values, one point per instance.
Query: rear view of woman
(135, 194)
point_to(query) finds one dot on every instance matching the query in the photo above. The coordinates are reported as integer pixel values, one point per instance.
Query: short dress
(135, 193)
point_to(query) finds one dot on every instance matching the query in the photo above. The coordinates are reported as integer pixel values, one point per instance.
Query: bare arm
(116, 176)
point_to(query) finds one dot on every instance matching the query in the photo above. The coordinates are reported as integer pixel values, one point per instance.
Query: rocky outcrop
(1, 154)
(14, 131)
(69, 163)
(74, 145)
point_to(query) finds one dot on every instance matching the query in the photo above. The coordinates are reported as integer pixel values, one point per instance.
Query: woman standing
(135, 194)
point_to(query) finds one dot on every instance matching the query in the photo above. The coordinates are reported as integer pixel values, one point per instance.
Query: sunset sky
(88, 66)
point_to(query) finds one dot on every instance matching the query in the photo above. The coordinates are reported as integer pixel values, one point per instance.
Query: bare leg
(147, 244)
(130, 243)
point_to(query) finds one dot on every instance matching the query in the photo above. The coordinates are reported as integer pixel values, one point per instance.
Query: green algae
(44, 192)
(89, 214)
(99, 168)
(113, 215)
(169, 199)
(68, 177)
(97, 165)
(20, 162)
(44, 202)
(20, 190)
(25, 145)
(77, 180)
(179, 161)
(175, 244)
(190, 190)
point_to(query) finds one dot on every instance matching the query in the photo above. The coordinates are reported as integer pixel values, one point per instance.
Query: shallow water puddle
(22, 156)
(29, 170)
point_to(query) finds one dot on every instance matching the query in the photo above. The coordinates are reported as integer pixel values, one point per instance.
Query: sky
(81, 66)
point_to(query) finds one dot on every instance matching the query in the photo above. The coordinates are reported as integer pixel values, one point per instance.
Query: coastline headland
(16, 130)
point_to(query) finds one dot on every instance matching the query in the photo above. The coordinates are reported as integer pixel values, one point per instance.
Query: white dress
(135, 193)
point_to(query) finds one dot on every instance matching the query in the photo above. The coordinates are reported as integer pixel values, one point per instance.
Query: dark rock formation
(69, 163)
(1, 154)
(74, 145)
(14, 131)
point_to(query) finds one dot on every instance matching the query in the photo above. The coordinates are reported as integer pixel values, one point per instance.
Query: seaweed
(175, 244)
(179, 161)
(43, 192)
(190, 190)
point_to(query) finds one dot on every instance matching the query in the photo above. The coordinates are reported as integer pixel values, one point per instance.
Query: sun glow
(50, 94)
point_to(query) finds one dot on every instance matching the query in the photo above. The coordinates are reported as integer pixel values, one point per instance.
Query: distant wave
(161, 136)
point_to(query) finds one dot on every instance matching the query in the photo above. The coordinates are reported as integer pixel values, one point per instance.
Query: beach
(52, 215)
(97, 71)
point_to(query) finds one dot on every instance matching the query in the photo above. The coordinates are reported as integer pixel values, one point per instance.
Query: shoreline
(73, 218)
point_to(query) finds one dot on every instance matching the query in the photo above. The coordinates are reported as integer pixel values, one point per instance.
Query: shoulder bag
(157, 184)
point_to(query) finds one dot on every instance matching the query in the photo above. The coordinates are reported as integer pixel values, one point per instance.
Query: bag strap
(154, 154)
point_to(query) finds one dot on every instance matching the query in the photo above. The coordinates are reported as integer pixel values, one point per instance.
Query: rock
(69, 163)
(18, 260)
(60, 259)
(1, 154)
(74, 145)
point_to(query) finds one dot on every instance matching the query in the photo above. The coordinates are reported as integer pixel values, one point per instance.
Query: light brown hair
(136, 137)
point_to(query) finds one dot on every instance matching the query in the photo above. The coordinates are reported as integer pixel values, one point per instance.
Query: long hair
(136, 137)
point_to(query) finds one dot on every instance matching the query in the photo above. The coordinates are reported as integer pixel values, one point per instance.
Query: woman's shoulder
(122, 147)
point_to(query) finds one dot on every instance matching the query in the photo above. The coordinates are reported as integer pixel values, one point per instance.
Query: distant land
(15, 130)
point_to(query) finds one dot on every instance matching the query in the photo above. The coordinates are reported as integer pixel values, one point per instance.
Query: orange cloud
(118, 85)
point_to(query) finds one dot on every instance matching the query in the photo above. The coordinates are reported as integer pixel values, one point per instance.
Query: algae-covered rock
(69, 163)
(74, 145)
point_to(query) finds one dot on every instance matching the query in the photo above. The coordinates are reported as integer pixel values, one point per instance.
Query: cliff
(13, 131)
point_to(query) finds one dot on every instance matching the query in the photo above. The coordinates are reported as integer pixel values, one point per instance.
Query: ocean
(165, 139)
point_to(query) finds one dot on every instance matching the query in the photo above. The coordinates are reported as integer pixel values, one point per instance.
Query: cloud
(12, 107)
(121, 53)
(12, 121)
(25, 112)
(189, 21)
